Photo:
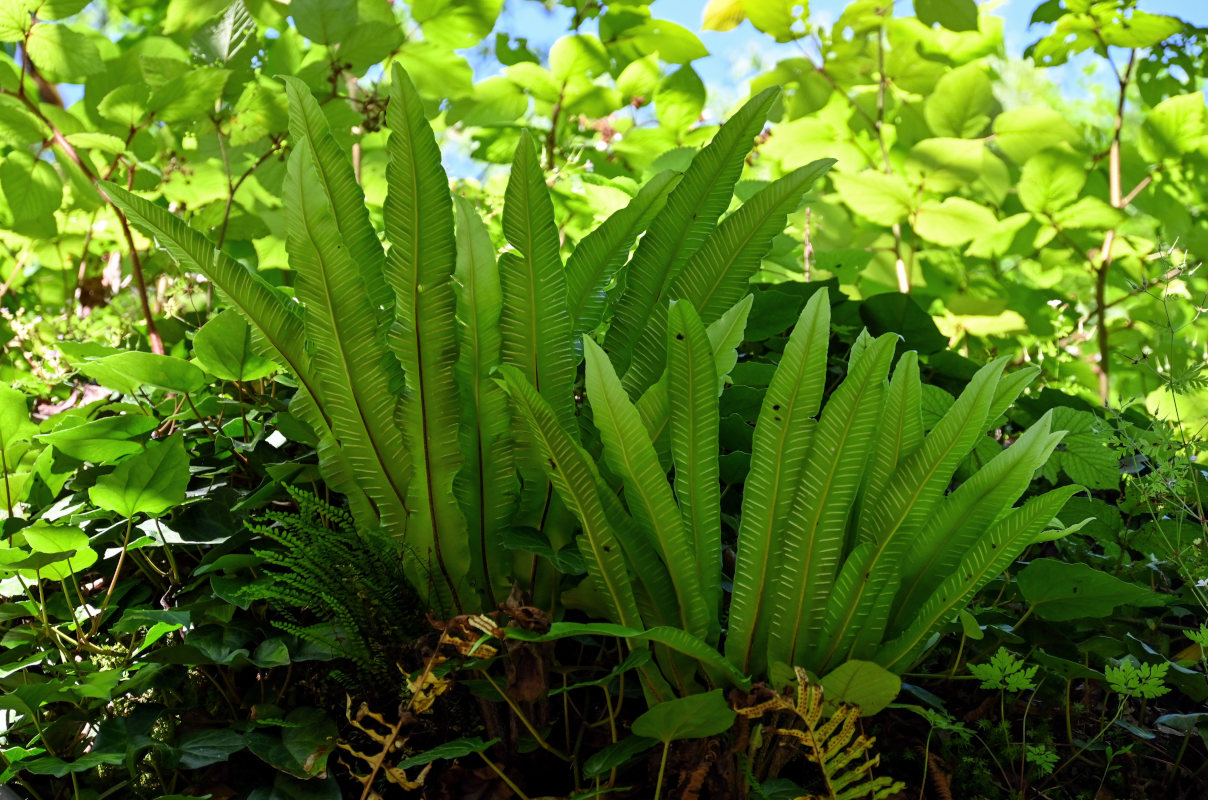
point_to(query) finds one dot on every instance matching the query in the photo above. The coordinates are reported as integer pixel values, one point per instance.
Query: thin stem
(503, 777)
(658, 786)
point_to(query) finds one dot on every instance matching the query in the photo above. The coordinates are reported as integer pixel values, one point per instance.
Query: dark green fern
(332, 585)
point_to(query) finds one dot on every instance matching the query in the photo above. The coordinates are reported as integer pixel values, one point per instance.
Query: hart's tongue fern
(338, 588)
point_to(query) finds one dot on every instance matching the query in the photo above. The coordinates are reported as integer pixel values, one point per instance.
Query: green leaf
(127, 105)
(577, 56)
(1174, 127)
(15, 20)
(1060, 590)
(863, 684)
(439, 73)
(63, 54)
(945, 165)
(630, 454)
(722, 15)
(419, 268)
(901, 314)
(784, 20)
(953, 222)
(324, 21)
(961, 104)
(674, 43)
(193, 95)
(616, 755)
(454, 749)
(955, 15)
(129, 371)
(598, 255)
(692, 717)
(1020, 133)
(67, 549)
(783, 436)
(15, 424)
(1051, 180)
(31, 186)
(151, 483)
(203, 748)
(679, 99)
(224, 348)
(103, 440)
(456, 23)
(882, 198)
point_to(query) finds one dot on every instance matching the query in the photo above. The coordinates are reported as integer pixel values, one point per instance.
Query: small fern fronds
(844, 758)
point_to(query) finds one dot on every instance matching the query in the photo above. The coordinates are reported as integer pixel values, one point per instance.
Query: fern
(843, 758)
(337, 588)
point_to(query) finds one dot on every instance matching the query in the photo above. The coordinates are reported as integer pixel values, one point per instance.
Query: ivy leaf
(127, 371)
(150, 483)
(955, 15)
(1060, 591)
(103, 440)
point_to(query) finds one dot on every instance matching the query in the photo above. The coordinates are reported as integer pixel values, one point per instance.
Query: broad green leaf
(127, 105)
(679, 99)
(722, 15)
(863, 684)
(784, 20)
(535, 324)
(692, 717)
(674, 43)
(882, 198)
(692, 379)
(619, 753)
(438, 72)
(1175, 127)
(783, 437)
(224, 348)
(132, 369)
(31, 186)
(631, 455)
(944, 164)
(324, 21)
(67, 546)
(994, 552)
(225, 37)
(812, 538)
(1138, 29)
(1089, 213)
(598, 255)
(955, 15)
(103, 440)
(576, 57)
(15, 20)
(961, 104)
(63, 54)
(15, 424)
(678, 231)
(151, 483)
(456, 23)
(1061, 590)
(1020, 133)
(487, 484)
(419, 267)
(193, 95)
(953, 222)
(203, 748)
(1051, 180)
(454, 749)
(359, 384)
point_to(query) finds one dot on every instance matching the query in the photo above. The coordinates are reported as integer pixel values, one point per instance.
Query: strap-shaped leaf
(358, 377)
(671, 637)
(486, 486)
(307, 121)
(719, 273)
(535, 324)
(994, 552)
(725, 335)
(890, 521)
(630, 455)
(967, 512)
(782, 439)
(814, 532)
(574, 475)
(1009, 389)
(276, 318)
(681, 228)
(599, 254)
(419, 268)
(694, 425)
(900, 430)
